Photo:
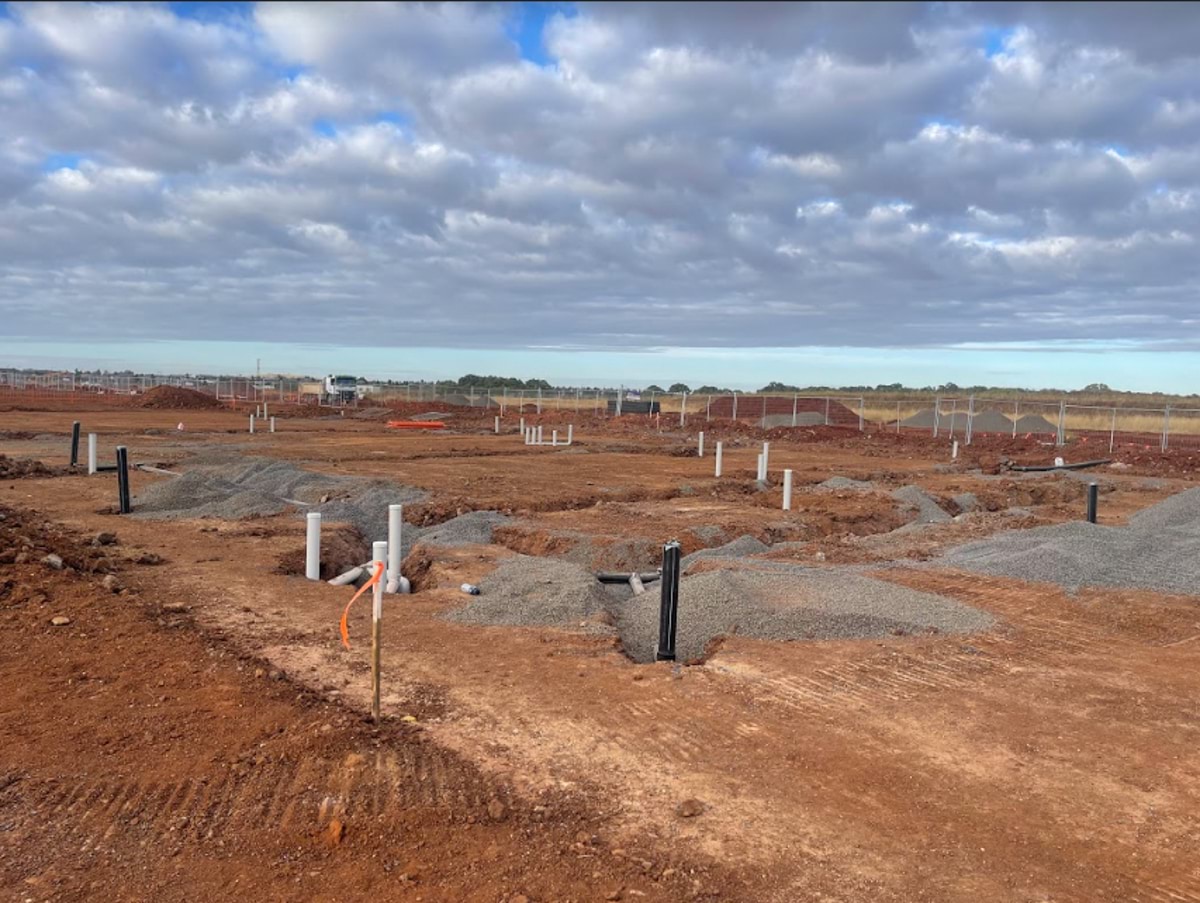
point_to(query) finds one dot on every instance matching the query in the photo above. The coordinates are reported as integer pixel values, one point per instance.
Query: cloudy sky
(815, 193)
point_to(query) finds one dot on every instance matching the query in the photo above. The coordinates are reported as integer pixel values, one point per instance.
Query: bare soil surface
(1050, 758)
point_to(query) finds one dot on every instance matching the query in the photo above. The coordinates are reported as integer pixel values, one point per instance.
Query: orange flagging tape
(366, 586)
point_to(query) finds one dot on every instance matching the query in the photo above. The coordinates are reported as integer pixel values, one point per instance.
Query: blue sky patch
(55, 162)
(527, 24)
(325, 127)
(211, 11)
(995, 40)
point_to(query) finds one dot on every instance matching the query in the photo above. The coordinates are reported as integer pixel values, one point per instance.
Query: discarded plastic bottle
(470, 589)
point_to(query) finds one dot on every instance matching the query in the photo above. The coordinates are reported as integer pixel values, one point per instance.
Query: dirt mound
(1035, 423)
(15, 468)
(176, 397)
(341, 550)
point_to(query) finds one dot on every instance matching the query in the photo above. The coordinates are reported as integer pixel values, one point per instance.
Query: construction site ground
(198, 731)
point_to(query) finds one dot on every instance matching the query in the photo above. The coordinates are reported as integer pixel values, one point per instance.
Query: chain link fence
(1105, 428)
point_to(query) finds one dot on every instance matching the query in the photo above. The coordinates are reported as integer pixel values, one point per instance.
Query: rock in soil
(60, 621)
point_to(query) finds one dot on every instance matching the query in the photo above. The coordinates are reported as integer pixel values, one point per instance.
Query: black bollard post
(123, 479)
(669, 606)
(1093, 498)
(75, 444)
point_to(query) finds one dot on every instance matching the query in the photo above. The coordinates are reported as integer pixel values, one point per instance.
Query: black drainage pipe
(669, 606)
(624, 578)
(1093, 499)
(123, 479)
(75, 444)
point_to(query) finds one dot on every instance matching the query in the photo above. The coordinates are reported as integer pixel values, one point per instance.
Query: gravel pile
(196, 494)
(739, 548)
(783, 605)
(966, 501)
(472, 528)
(773, 602)
(543, 592)
(1157, 551)
(928, 510)
(233, 489)
(846, 483)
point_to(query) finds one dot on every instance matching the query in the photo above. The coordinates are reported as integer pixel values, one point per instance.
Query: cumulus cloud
(602, 175)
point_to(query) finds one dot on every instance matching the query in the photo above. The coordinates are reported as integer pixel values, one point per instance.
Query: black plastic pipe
(1040, 467)
(75, 444)
(624, 578)
(1093, 498)
(123, 479)
(668, 611)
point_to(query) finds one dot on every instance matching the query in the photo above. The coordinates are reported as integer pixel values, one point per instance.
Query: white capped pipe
(379, 553)
(348, 576)
(497, 424)
(252, 423)
(718, 473)
(954, 450)
(91, 452)
(265, 412)
(570, 433)
(312, 546)
(522, 424)
(395, 529)
(700, 446)
(272, 424)
(758, 473)
(787, 490)
(554, 437)
(539, 434)
(766, 459)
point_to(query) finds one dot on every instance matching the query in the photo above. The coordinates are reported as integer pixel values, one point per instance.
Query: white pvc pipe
(497, 424)
(379, 555)
(252, 423)
(954, 450)
(758, 471)
(554, 437)
(265, 412)
(700, 446)
(570, 433)
(312, 547)
(91, 453)
(272, 424)
(348, 577)
(395, 528)
(718, 473)
(539, 434)
(766, 459)
(522, 424)
(787, 490)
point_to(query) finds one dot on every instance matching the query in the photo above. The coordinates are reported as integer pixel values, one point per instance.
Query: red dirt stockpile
(167, 397)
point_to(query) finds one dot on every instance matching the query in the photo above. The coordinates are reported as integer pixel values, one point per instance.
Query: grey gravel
(774, 601)
(474, 527)
(927, 509)
(739, 548)
(526, 590)
(846, 483)
(1158, 550)
(966, 501)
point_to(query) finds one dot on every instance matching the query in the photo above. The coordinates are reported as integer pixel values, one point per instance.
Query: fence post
(708, 410)
(1166, 432)
(795, 399)
(1062, 420)
(827, 410)
(970, 417)
(861, 410)
(1112, 431)
(539, 401)
(897, 418)
(937, 413)
(763, 422)
(682, 409)
(735, 405)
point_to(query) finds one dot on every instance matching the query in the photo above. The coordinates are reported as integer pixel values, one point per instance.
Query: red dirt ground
(1049, 759)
